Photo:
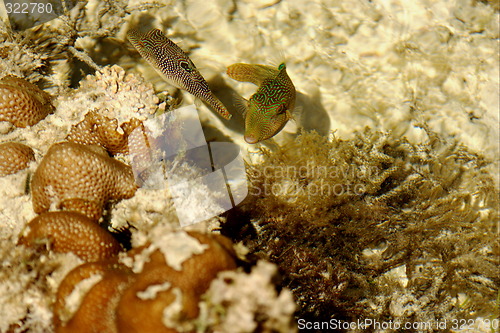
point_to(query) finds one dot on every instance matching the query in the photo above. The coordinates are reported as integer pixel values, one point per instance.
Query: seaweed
(376, 227)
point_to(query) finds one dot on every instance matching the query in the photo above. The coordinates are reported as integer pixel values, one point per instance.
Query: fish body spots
(174, 65)
(269, 109)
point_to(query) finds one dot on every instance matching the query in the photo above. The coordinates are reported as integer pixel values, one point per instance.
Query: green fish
(270, 108)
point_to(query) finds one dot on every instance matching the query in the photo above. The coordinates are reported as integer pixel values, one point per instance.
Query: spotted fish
(175, 66)
(269, 109)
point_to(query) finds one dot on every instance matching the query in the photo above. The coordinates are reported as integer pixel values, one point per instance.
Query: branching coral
(80, 178)
(21, 54)
(22, 103)
(240, 294)
(14, 157)
(339, 216)
(28, 281)
(97, 129)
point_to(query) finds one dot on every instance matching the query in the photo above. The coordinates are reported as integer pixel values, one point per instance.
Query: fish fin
(198, 102)
(277, 56)
(241, 104)
(296, 113)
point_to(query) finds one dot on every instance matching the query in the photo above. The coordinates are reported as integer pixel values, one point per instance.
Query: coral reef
(22, 103)
(340, 217)
(398, 223)
(14, 157)
(80, 178)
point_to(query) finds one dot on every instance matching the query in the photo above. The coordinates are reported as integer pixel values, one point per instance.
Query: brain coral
(80, 178)
(14, 157)
(71, 232)
(22, 103)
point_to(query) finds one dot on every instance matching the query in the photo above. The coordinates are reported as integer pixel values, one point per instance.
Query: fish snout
(249, 138)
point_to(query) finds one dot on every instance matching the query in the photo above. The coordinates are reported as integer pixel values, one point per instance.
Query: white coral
(235, 301)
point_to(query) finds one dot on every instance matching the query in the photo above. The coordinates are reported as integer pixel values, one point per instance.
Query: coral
(157, 289)
(14, 157)
(162, 283)
(251, 302)
(21, 54)
(22, 103)
(115, 93)
(80, 178)
(339, 217)
(96, 129)
(394, 252)
(29, 280)
(71, 232)
(87, 296)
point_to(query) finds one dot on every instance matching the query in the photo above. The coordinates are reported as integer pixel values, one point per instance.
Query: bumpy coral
(14, 157)
(87, 296)
(22, 103)
(71, 232)
(80, 178)
(159, 292)
(163, 284)
(97, 129)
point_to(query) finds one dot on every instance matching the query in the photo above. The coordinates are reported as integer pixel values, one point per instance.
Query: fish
(173, 64)
(269, 109)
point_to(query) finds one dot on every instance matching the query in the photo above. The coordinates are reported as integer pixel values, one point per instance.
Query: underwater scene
(241, 166)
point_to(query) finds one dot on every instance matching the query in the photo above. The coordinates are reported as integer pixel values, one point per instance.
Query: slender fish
(174, 65)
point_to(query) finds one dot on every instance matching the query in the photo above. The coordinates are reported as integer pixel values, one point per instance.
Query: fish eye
(186, 67)
(281, 66)
(281, 109)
